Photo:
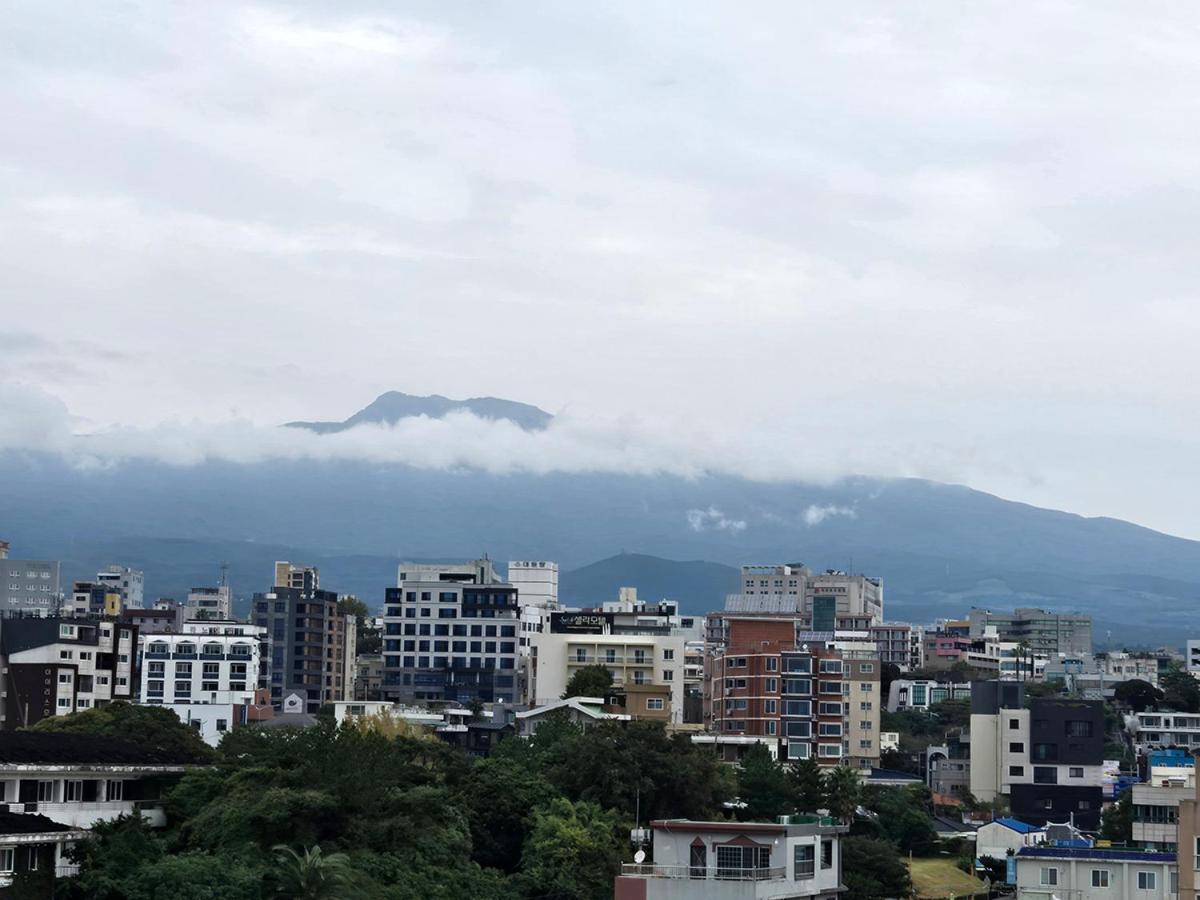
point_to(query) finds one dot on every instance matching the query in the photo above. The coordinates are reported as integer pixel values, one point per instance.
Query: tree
(499, 796)
(763, 785)
(311, 875)
(573, 852)
(1138, 695)
(888, 673)
(953, 713)
(873, 870)
(902, 817)
(589, 681)
(842, 790)
(1117, 822)
(1181, 692)
(150, 726)
(367, 638)
(807, 785)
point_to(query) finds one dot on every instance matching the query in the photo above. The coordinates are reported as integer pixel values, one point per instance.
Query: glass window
(804, 861)
(1100, 878)
(1049, 875)
(1147, 881)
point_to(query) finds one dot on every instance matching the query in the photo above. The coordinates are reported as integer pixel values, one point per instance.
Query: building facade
(1049, 872)
(209, 603)
(29, 585)
(129, 583)
(1044, 633)
(210, 662)
(309, 638)
(450, 634)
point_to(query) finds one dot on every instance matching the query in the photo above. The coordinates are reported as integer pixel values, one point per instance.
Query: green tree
(807, 785)
(903, 817)
(499, 796)
(953, 713)
(1117, 822)
(573, 852)
(367, 638)
(589, 681)
(763, 786)
(888, 673)
(873, 869)
(1181, 692)
(1138, 695)
(310, 875)
(150, 726)
(842, 791)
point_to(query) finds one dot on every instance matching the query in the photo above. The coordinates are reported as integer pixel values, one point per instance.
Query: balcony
(701, 873)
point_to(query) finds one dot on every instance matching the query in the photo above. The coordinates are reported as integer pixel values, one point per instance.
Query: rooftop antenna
(224, 574)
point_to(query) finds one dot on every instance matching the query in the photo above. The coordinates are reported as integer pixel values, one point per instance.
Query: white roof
(589, 706)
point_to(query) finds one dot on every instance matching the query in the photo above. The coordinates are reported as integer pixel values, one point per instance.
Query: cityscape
(1008, 735)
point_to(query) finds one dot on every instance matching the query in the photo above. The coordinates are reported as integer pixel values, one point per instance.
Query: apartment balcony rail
(703, 873)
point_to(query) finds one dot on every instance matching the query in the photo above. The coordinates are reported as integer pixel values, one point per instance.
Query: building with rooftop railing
(797, 857)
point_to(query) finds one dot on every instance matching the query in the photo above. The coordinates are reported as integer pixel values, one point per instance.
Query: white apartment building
(129, 583)
(218, 663)
(1165, 729)
(1056, 873)
(209, 603)
(536, 582)
(29, 585)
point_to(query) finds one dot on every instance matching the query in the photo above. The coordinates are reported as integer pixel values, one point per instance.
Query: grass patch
(940, 878)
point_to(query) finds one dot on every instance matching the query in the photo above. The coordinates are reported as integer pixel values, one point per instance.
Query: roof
(1093, 853)
(944, 824)
(58, 748)
(1017, 825)
(288, 720)
(589, 706)
(893, 775)
(28, 823)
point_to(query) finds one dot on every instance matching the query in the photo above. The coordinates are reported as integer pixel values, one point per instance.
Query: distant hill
(390, 408)
(699, 587)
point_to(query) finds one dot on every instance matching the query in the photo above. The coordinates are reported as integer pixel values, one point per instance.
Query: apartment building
(799, 857)
(536, 581)
(56, 666)
(1051, 872)
(1171, 780)
(818, 598)
(89, 599)
(129, 583)
(450, 634)
(948, 766)
(795, 691)
(311, 642)
(1187, 851)
(1045, 634)
(28, 585)
(1046, 759)
(922, 694)
(209, 603)
(1156, 730)
(209, 662)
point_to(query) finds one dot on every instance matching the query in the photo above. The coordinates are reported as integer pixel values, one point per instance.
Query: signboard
(580, 623)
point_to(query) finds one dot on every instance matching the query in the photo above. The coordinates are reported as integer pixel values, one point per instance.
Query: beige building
(861, 666)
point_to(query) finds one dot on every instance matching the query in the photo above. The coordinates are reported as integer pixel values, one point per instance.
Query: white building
(210, 662)
(1165, 729)
(129, 583)
(577, 710)
(1192, 657)
(209, 603)
(820, 598)
(1056, 873)
(536, 582)
(28, 585)
(800, 858)
(1003, 837)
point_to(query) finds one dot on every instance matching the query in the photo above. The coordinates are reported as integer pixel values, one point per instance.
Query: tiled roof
(1017, 825)
(1097, 854)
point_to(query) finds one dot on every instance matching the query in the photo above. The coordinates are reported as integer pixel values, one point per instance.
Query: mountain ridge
(392, 406)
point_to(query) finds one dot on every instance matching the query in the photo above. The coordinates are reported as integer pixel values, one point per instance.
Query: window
(867, 687)
(1080, 728)
(769, 707)
(1100, 878)
(45, 792)
(772, 685)
(773, 664)
(115, 790)
(1016, 747)
(1045, 775)
(668, 675)
(1049, 875)
(826, 854)
(1016, 771)
(1014, 724)
(222, 725)
(31, 858)
(831, 666)
(804, 862)
(738, 662)
(1147, 881)
(74, 791)
(6, 860)
(668, 653)
(654, 703)
(1076, 771)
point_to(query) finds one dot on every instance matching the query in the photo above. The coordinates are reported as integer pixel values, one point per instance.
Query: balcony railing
(702, 873)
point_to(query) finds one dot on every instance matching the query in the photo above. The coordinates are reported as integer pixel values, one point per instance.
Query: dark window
(1014, 724)
(1045, 775)
(1016, 747)
(1045, 752)
(1016, 771)
(1079, 728)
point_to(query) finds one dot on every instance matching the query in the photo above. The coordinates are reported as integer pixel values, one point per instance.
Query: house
(583, 711)
(797, 857)
(1044, 873)
(80, 779)
(1002, 838)
(33, 851)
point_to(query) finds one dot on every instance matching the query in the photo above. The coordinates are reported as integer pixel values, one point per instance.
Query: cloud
(713, 518)
(814, 515)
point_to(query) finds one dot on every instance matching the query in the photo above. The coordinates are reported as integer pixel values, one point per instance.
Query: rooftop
(1096, 854)
(1017, 825)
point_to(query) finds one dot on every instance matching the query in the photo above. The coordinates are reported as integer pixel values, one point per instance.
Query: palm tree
(311, 875)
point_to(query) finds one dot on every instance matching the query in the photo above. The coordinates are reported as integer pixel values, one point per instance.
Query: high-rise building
(820, 599)
(450, 634)
(536, 581)
(129, 583)
(308, 639)
(28, 585)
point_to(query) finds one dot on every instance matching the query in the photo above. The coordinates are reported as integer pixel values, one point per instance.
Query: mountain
(939, 548)
(699, 586)
(391, 407)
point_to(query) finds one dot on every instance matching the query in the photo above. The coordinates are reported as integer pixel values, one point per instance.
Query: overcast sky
(945, 240)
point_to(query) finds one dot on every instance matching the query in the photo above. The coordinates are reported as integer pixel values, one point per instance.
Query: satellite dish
(639, 857)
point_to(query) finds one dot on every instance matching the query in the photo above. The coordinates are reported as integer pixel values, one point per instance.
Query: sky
(787, 240)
